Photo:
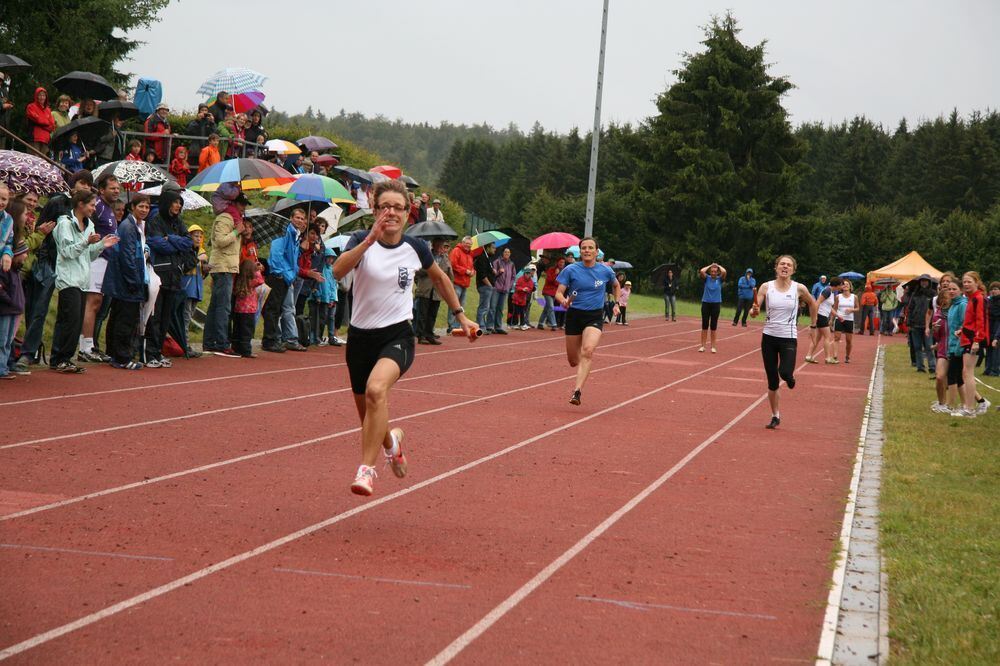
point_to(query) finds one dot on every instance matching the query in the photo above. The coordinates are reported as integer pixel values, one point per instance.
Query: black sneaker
(293, 345)
(277, 349)
(790, 383)
(775, 422)
(575, 398)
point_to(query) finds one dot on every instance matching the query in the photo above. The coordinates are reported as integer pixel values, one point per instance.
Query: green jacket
(34, 241)
(887, 299)
(74, 253)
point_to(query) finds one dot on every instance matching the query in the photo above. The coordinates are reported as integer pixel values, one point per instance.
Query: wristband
(457, 311)
(812, 325)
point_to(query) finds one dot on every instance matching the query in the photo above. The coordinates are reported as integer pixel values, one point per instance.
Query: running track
(202, 513)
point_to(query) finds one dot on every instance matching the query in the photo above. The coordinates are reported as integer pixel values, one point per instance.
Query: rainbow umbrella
(557, 240)
(249, 173)
(312, 187)
(388, 171)
(242, 102)
(282, 147)
(481, 240)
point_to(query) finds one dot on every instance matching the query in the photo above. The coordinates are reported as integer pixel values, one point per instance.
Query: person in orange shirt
(869, 306)
(209, 154)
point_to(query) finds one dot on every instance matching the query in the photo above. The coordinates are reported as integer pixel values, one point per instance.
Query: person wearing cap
(224, 259)
(623, 295)
(157, 123)
(193, 282)
(434, 213)
(745, 287)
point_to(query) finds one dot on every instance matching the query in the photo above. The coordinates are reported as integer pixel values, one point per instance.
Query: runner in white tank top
(845, 304)
(779, 341)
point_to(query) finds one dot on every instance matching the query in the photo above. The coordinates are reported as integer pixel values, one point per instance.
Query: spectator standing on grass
(245, 307)
(505, 273)
(711, 302)
(745, 288)
(973, 333)
(225, 264)
(939, 330)
(485, 277)
(887, 302)
(193, 282)
(993, 355)
(461, 262)
(323, 303)
(869, 305)
(524, 288)
(919, 313)
(11, 305)
(670, 296)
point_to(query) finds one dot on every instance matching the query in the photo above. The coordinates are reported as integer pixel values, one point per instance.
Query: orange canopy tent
(905, 268)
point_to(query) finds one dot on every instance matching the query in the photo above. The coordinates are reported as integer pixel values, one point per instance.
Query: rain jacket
(745, 285)
(461, 261)
(869, 298)
(284, 257)
(326, 292)
(975, 325)
(179, 167)
(208, 156)
(6, 234)
(72, 157)
(11, 294)
(193, 281)
(523, 289)
(247, 303)
(40, 120)
(156, 125)
(125, 278)
(74, 253)
(956, 317)
(171, 250)
(225, 257)
(504, 282)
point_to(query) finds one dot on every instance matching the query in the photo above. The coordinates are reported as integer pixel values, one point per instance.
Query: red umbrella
(557, 240)
(326, 160)
(388, 171)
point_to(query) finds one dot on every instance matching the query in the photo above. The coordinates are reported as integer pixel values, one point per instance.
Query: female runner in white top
(845, 304)
(779, 342)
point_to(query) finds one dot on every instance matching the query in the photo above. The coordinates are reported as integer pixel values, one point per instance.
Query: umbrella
(27, 173)
(481, 240)
(409, 182)
(267, 225)
(556, 240)
(519, 245)
(430, 230)
(9, 63)
(192, 200)
(285, 206)
(355, 174)
(317, 143)
(327, 161)
(389, 172)
(338, 242)
(282, 147)
(89, 129)
(86, 86)
(660, 272)
(124, 110)
(621, 265)
(232, 80)
(852, 275)
(886, 282)
(242, 102)
(311, 187)
(249, 173)
(916, 280)
(332, 217)
(131, 171)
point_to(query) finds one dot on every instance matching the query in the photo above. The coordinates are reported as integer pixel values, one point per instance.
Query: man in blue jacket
(282, 268)
(818, 288)
(745, 288)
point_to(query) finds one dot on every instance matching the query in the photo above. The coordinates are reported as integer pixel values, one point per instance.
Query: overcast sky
(474, 61)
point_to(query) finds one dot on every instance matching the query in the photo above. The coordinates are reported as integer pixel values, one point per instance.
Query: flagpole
(588, 225)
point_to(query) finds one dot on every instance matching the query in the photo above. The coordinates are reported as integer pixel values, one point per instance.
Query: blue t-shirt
(586, 285)
(713, 290)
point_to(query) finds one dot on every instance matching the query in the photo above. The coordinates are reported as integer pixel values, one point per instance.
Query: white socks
(394, 451)
(86, 344)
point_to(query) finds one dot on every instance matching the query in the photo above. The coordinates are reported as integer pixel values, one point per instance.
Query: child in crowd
(6, 230)
(11, 309)
(939, 331)
(119, 209)
(993, 353)
(523, 290)
(623, 295)
(151, 156)
(210, 153)
(192, 282)
(134, 151)
(323, 304)
(245, 307)
(73, 156)
(179, 166)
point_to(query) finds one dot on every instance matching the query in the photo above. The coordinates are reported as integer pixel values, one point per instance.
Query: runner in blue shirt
(585, 282)
(711, 301)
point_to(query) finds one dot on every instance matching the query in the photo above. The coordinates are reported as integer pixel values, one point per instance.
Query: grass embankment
(940, 524)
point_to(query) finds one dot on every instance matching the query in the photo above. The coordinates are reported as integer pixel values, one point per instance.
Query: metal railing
(242, 148)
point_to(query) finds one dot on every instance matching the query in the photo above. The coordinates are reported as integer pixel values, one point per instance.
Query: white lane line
(255, 405)
(491, 618)
(146, 387)
(306, 442)
(138, 599)
(397, 581)
(73, 551)
(455, 395)
(992, 388)
(828, 634)
(641, 606)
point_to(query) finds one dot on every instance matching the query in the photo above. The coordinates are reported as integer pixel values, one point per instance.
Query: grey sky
(525, 60)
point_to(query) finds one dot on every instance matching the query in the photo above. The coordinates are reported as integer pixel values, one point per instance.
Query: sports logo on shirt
(598, 283)
(404, 277)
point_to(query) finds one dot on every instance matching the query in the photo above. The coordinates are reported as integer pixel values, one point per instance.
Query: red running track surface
(656, 523)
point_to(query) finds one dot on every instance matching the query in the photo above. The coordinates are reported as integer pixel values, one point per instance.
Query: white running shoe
(702, 348)
(398, 461)
(962, 412)
(364, 482)
(983, 407)
(938, 408)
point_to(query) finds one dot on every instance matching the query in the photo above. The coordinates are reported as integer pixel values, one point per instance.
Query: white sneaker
(962, 412)
(364, 481)
(714, 350)
(701, 349)
(938, 408)
(323, 342)
(983, 407)
(339, 341)
(525, 327)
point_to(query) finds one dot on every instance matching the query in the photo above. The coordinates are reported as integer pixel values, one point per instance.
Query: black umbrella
(267, 225)
(355, 174)
(410, 183)
(86, 85)
(90, 130)
(660, 272)
(285, 206)
(431, 230)
(317, 143)
(624, 266)
(9, 63)
(520, 247)
(124, 110)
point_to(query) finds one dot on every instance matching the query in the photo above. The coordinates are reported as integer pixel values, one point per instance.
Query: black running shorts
(366, 346)
(577, 320)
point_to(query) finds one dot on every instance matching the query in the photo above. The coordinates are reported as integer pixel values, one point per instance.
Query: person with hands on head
(711, 302)
(585, 282)
(779, 341)
(380, 344)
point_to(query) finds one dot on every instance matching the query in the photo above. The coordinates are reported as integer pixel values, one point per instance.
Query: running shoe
(154, 363)
(396, 462)
(810, 359)
(8, 376)
(983, 407)
(165, 363)
(228, 352)
(294, 345)
(525, 327)
(89, 357)
(938, 408)
(364, 481)
(832, 361)
(575, 398)
(714, 350)
(962, 412)
(324, 342)
(702, 348)
(337, 341)
(775, 422)
(68, 367)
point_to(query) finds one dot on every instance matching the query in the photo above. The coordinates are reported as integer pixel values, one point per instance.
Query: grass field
(940, 524)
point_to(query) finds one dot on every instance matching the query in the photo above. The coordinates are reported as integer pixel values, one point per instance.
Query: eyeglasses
(397, 208)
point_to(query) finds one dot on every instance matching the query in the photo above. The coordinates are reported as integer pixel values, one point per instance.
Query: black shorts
(955, 370)
(366, 346)
(822, 321)
(710, 315)
(844, 326)
(577, 320)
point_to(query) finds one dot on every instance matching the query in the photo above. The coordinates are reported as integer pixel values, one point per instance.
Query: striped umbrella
(312, 187)
(481, 240)
(249, 173)
(242, 102)
(232, 80)
(282, 147)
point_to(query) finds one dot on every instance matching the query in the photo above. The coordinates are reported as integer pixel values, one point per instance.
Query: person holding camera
(203, 124)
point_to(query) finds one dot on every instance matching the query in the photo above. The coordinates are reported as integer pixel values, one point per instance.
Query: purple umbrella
(27, 173)
(317, 143)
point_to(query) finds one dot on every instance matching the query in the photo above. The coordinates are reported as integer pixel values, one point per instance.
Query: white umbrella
(332, 217)
(338, 242)
(192, 200)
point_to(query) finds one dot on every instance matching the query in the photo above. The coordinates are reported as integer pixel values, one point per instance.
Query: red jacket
(156, 125)
(461, 261)
(976, 327)
(40, 120)
(522, 290)
(179, 168)
(551, 285)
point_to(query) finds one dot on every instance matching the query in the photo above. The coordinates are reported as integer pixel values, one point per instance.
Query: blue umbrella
(851, 275)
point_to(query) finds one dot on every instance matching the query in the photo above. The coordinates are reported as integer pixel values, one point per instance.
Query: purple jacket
(505, 280)
(11, 293)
